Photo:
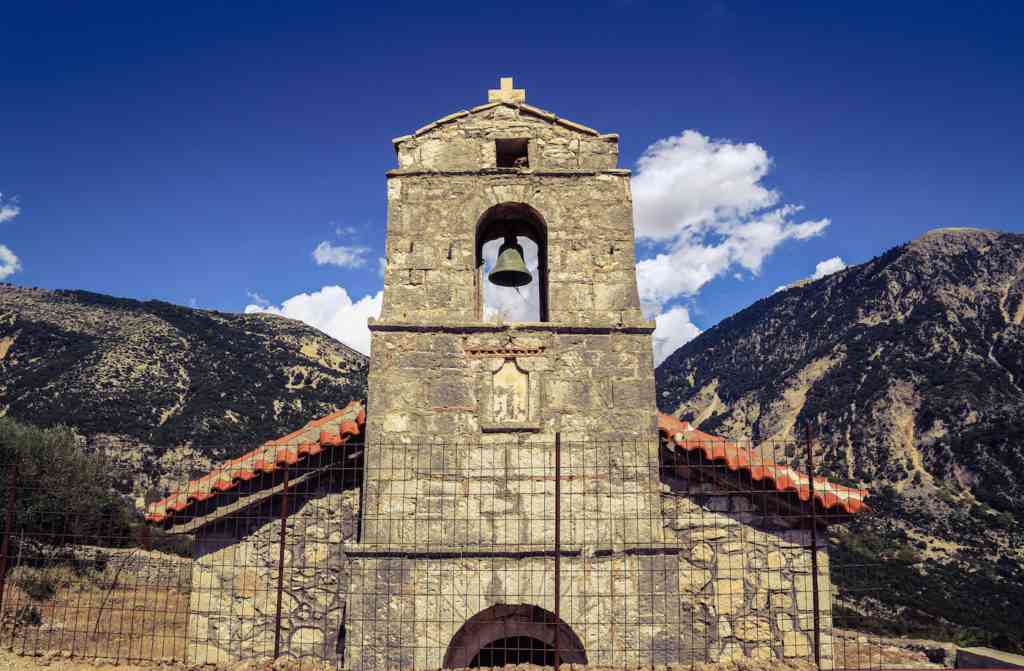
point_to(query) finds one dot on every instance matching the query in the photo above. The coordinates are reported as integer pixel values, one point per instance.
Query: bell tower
(510, 316)
(573, 352)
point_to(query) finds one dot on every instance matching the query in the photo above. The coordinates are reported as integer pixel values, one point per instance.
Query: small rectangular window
(512, 153)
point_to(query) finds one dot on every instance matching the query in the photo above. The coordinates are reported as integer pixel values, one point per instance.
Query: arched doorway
(513, 634)
(527, 227)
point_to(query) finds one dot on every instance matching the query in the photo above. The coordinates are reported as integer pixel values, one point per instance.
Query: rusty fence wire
(431, 555)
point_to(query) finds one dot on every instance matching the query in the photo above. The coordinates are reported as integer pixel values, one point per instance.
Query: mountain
(910, 369)
(165, 390)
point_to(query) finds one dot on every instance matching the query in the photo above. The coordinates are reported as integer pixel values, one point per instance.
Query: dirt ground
(853, 650)
(91, 619)
(885, 656)
(58, 662)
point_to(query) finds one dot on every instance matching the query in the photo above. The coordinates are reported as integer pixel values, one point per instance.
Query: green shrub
(42, 583)
(64, 495)
(38, 585)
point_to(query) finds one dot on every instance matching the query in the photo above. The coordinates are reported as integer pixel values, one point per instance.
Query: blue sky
(201, 155)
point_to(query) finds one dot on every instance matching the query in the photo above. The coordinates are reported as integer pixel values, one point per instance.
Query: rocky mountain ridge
(164, 390)
(910, 369)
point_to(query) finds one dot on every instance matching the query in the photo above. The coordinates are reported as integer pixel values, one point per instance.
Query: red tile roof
(339, 427)
(329, 431)
(830, 495)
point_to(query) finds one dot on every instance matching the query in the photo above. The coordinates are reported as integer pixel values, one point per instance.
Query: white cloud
(332, 311)
(673, 330)
(826, 267)
(382, 264)
(256, 298)
(702, 211)
(8, 210)
(9, 262)
(702, 203)
(690, 182)
(345, 256)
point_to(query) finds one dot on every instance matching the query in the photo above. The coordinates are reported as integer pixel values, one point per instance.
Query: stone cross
(506, 94)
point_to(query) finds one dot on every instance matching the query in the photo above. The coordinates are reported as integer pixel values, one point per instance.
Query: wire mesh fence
(447, 555)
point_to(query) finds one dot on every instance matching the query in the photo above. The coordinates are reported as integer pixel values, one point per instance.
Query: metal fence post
(12, 487)
(558, 544)
(814, 545)
(280, 563)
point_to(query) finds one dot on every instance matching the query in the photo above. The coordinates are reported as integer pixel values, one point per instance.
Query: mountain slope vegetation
(910, 369)
(162, 389)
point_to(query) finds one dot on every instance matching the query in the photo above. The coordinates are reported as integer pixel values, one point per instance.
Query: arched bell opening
(513, 634)
(512, 264)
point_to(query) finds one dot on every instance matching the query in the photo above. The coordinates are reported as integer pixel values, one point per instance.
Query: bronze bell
(510, 268)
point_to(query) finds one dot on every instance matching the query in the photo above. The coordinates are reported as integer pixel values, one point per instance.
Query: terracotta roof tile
(339, 427)
(329, 431)
(784, 478)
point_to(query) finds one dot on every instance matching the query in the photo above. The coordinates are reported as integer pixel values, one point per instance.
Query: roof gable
(318, 435)
(465, 140)
(520, 110)
(832, 497)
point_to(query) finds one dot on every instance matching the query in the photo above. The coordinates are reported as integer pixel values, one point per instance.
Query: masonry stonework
(749, 574)
(233, 602)
(442, 372)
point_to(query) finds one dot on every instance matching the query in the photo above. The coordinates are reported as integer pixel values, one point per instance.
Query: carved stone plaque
(510, 394)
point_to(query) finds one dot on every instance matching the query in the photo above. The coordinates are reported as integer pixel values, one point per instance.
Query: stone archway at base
(523, 630)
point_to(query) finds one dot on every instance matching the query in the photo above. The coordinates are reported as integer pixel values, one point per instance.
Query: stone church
(420, 530)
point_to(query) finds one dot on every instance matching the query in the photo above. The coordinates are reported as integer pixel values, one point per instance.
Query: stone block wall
(488, 481)
(500, 497)
(431, 274)
(750, 573)
(627, 609)
(624, 608)
(465, 141)
(428, 388)
(441, 372)
(233, 603)
(721, 581)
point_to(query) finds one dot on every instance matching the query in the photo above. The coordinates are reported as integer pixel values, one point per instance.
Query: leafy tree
(62, 495)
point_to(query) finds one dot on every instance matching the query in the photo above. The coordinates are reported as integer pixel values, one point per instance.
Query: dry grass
(10, 662)
(855, 650)
(91, 615)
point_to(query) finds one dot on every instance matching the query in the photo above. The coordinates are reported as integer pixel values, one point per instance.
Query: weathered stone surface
(702, 552)
(234, 603)
(709, 534)
(465, 141)
(795, 644)
(749, 628)
(781, 601)
(729, 595)
(307, 637)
